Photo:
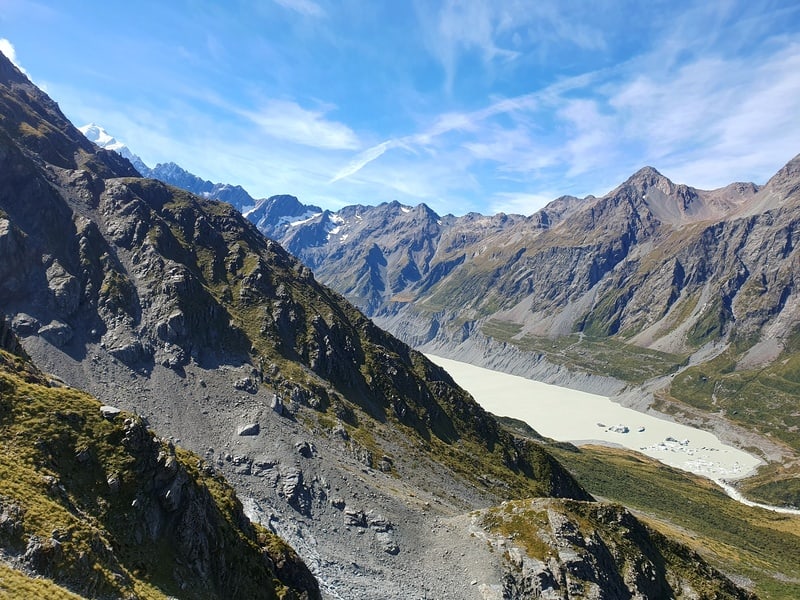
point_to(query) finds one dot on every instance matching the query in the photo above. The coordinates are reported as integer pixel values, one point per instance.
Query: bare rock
(57, 333)
(379, 523)
(11, 519)
(24, 324)
(246, 384)
(295, 490)
(249, 429)
(43, 555)
(64, 287)
(109, 412)
(355, 518)
(386, 541)
(305, 449)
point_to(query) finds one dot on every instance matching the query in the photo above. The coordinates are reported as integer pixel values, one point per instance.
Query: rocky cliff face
(337, 436)
(565, 550)
(92, 499)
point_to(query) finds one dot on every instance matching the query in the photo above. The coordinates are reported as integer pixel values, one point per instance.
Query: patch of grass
(522, 523)
(16, 585)
(775, 484)
(763, 400)
(710, 325)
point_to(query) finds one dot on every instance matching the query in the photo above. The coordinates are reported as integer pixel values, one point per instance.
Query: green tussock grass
(763, 400)
(522, 523)
(16, 585)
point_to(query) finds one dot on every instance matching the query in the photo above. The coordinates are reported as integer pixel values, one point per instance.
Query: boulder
(249, 429)
(109, 412)
(57, 333)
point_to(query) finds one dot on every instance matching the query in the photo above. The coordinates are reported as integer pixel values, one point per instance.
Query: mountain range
(171, 173)
(658, 293)
(386, 477)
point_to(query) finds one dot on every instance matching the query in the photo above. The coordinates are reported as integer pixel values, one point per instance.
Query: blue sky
(484, 105)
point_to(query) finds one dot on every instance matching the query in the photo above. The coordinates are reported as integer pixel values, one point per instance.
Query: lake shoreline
(569, 415)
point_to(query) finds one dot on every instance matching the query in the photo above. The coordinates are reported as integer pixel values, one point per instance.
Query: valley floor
(569, 415)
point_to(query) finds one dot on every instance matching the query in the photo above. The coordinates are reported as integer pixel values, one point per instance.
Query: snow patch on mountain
(98, 135)
(294, 221)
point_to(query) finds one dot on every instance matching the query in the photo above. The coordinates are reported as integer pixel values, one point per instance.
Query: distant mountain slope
(171, 173)
(605, 294)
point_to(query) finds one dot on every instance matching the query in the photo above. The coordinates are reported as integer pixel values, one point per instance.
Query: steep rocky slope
(336, 435)
(94, 501)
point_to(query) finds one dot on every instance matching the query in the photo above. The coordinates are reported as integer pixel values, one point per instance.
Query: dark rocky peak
(275, 215)
(425, 212)
(782, 191)
(647, 184)
(651, 195)
(35, 122)
(356, 211)
(8, 340)
(646, 179)
(422, 207)
(178, 176)
(555, 210)
(287, 205)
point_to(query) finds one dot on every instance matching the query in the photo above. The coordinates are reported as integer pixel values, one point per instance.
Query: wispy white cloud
(463, 26)
(287, 120)
(712, 99)
(519, 203)
(501, 33)
(704, 119)
(474, 123)
(7, 48)
(363, 159)
(304, 7)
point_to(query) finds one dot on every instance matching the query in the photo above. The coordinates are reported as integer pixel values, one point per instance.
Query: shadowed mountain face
(335, 434)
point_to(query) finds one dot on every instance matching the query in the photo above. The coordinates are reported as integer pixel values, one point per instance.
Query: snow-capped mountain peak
(98, 135)
(95, 133)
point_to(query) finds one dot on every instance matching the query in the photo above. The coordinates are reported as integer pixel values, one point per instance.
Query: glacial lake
(569, 415)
